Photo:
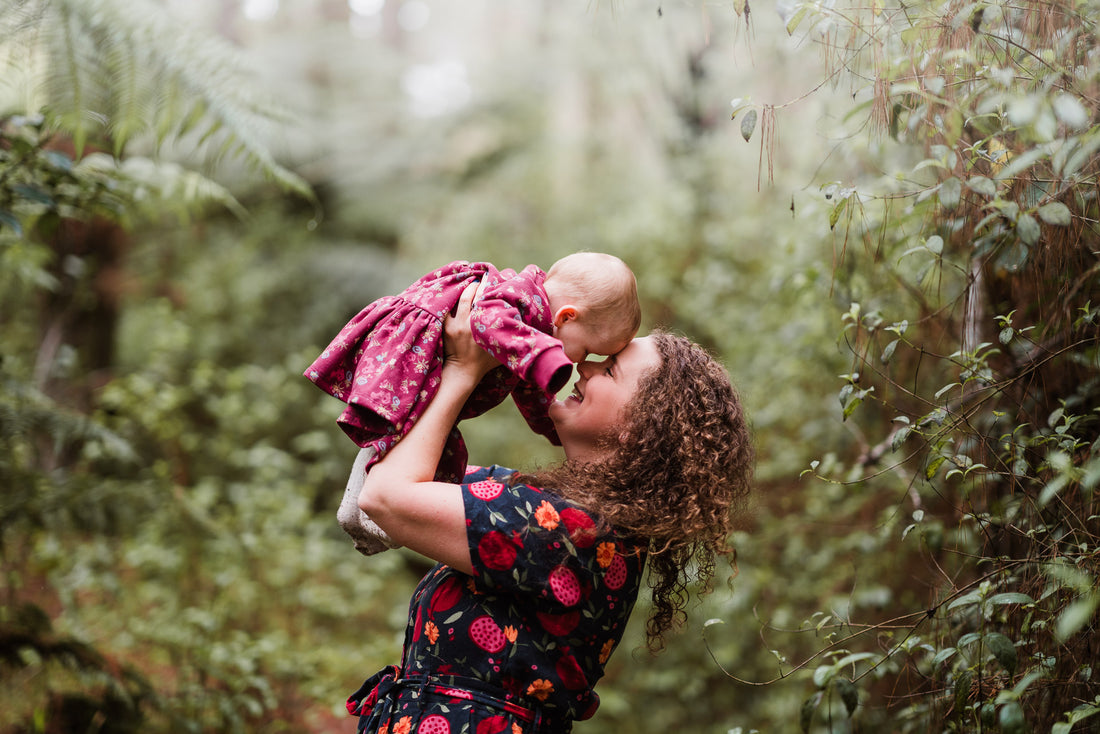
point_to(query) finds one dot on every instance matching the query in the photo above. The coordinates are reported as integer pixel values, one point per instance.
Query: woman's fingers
(458, 337)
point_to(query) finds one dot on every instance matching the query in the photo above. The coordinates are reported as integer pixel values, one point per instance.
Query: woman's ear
(564, 314)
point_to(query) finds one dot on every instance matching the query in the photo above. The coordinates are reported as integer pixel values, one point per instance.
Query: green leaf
(838, 209)
(796, 19)
(9, 219)
(849, 694)
(888, 352)
(982, 185)
(1055, 213)
(33, 194)
(962, 690)
(1011, 719)
(1010, 597)
(806, 714)
(899, 437)
(950, 193)
(933, 465)
(1070, 111)
(748, 124)
(1003, 650)
(1076, 616)
(1027, 229)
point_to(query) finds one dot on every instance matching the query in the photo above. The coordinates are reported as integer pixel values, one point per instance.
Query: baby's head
(594, 301)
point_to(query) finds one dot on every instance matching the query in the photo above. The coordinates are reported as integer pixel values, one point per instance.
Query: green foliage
(917, 321)
(975, 377)
(113, 75)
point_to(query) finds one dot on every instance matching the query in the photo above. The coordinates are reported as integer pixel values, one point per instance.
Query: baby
(386, 362)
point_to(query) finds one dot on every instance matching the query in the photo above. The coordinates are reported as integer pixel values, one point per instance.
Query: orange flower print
(516, 728)
(605, 653)
(431, 631)
(540, 689)
(547, 517)
(385, 728)
(511, 633)
(404, 726)
(605, 554)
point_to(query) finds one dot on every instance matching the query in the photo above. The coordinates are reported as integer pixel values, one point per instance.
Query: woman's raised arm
(400, 493)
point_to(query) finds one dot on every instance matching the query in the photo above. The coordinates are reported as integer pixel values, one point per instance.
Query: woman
(538, 574)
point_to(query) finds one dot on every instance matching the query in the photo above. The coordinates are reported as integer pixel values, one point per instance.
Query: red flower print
(559, 624)
(581, 527)
(447, 595)
(569, 670)
(497, 551)
(492, 725)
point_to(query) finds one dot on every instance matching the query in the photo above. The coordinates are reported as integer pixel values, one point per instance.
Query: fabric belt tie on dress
(379, 687)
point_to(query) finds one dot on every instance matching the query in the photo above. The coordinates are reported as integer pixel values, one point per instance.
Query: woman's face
(594, 409)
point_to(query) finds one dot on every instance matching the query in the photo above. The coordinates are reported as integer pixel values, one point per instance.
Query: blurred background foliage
(892, 245)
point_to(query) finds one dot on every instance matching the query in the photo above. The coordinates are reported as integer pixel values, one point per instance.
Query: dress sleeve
(526, 541)
(512, 321)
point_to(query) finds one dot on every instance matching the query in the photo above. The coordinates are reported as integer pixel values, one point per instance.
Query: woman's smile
(594, 408)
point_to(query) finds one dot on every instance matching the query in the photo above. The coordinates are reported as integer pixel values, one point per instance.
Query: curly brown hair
(678, 472)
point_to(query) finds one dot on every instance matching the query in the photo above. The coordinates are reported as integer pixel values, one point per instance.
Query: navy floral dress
(517, 647)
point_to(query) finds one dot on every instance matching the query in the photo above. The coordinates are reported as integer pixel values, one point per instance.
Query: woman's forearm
(415, 457)
(399, 493)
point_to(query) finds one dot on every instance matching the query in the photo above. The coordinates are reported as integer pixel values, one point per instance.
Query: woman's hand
(460, 352)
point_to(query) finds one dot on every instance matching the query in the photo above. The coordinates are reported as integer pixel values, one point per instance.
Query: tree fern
(115, 73)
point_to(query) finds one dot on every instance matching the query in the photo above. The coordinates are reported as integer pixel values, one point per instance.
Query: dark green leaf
(806, 715)
(8, 219)
(962, 690)
(1002, 649)
(1014, 257)
(1012, 719)
(33, 194)
(1010, 597)
(1027, 229)
(849, 694)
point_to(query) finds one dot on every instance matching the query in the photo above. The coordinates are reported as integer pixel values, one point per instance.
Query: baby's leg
(368, 537)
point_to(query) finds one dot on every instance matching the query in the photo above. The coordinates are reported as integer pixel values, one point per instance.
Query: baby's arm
(509, 323)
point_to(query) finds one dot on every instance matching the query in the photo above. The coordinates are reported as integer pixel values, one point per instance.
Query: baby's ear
(564, 314)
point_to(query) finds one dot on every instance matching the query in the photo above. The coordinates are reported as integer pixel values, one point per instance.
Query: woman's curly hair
(678, 473)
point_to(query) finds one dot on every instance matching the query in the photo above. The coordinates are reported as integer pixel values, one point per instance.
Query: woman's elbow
(372, 497)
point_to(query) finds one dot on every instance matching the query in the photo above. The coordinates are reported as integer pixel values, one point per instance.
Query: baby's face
(580, 341)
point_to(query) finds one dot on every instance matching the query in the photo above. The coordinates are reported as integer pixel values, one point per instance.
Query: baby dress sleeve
(512, 320)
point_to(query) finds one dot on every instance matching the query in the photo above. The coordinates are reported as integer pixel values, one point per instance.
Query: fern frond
(119, 72)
